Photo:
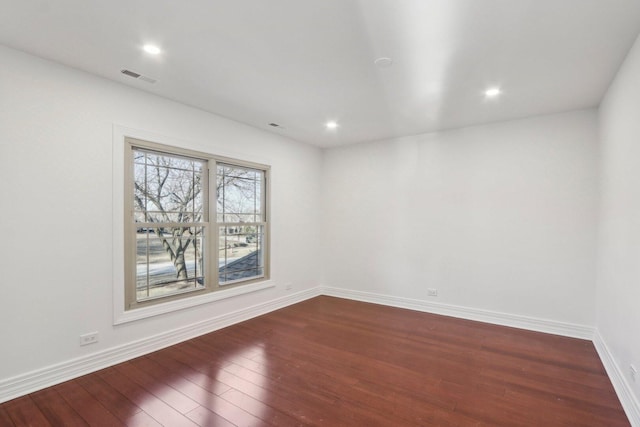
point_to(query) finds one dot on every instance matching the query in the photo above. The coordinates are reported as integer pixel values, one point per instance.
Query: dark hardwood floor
(335, 362)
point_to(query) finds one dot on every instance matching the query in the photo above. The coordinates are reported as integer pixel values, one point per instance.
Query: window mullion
(212, 202)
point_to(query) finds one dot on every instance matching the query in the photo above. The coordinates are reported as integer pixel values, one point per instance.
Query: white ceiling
(300, 63)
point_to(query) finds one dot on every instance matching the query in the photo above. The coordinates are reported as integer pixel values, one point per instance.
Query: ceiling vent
(138, 76)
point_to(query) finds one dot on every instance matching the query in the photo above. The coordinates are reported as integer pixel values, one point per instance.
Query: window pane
(239, 194)
(240, 253)
(168, 261)
(167, 188)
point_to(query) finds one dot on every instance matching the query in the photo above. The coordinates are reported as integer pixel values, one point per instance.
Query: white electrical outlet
(288, 286)
(432, 292)
(89, 338)
(634, 372)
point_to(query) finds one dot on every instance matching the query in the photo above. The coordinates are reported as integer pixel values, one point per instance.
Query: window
(194, 223)
(241, 223)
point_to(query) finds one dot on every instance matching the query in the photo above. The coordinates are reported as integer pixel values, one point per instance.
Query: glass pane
(167, 188)
(139, 194)
(239, 194)
(169, 260)
(240, 254)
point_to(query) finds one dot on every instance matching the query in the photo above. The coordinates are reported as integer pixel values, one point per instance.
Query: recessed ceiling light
(331, 124)
(492, 92)
(152, 49)
(383, 62)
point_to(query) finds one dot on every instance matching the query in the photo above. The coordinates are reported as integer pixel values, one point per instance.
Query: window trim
(123, 174)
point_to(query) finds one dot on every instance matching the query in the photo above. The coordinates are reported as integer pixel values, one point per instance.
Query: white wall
(618, 288)
(499, 217)
(56, 194)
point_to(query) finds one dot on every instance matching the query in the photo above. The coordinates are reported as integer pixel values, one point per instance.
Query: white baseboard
(504, 319)
(623, 389)
(45, 377)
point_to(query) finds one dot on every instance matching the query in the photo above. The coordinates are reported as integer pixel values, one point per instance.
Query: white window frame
(125, 138)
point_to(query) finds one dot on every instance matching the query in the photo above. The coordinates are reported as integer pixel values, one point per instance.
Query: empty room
(320, 213)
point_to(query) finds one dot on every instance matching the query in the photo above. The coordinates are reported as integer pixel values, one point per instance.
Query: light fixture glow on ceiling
(492, 92)
(383, 62)
(151, 49)
(332, 124)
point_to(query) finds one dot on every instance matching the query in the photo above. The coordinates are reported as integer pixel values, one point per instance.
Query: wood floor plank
(307, 395)
(234, 383)
(386, 375)
(24, 412)
(402, 405)
(56, 409)
(157, 387)
(567, 411)
(142, 419)
(335, 362)
(261, 410)
(204, 398)
(87, 406)
(206, 418)
(304, 404)
(5, 419)
(145, 399)
(368, 388)
(193, 373)
(109, 397)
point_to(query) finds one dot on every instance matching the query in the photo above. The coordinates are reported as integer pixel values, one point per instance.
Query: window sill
(171, 306)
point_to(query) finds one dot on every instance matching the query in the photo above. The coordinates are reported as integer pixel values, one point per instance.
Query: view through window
(198, 223)
(170, 232)
(241, 223)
